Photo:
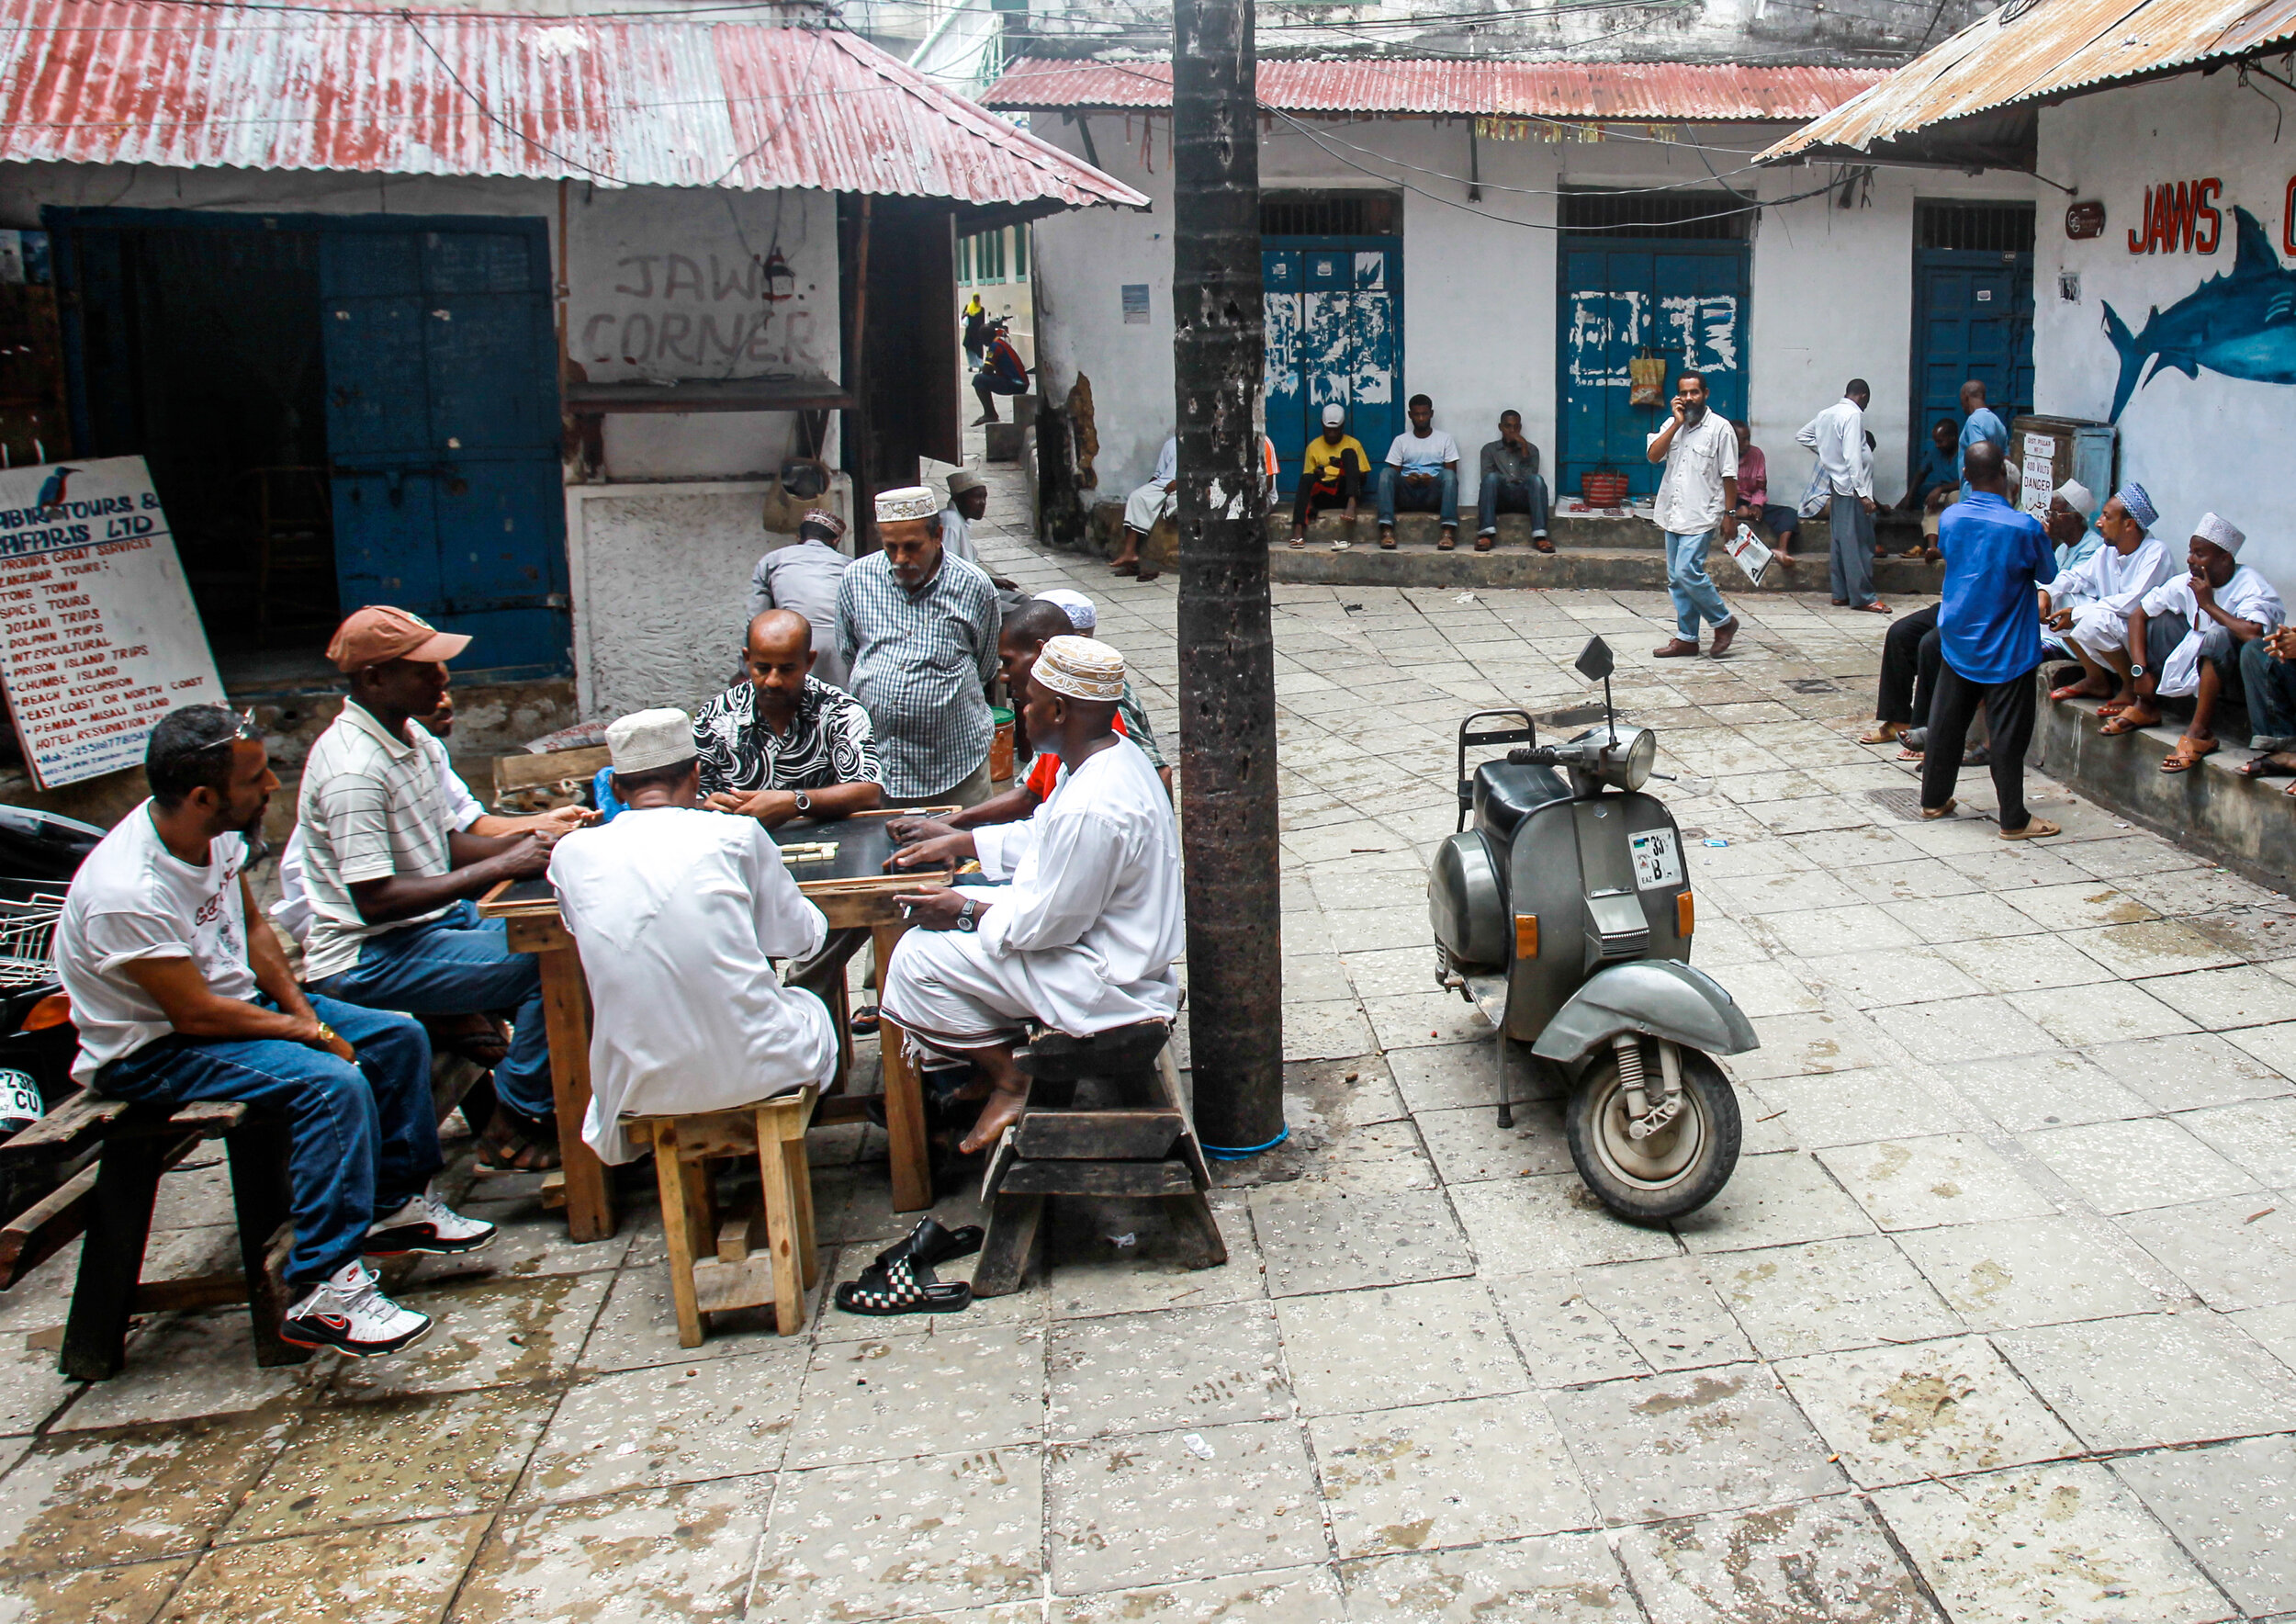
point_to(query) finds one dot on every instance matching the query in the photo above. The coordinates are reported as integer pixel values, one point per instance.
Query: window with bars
(1984, 228)
(1690, 216)
(1331, 214)
(981, 257)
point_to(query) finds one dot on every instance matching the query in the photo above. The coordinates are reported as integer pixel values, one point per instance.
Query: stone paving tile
(400, 1573)
(2234, 1506)
(1794, 1046)
(2060, 1542)
(1946, 1179)
(637, 1324)
(2102, 1012)
(2090, 903)
(2234, 1253)
(2024, 1271)
(1666, 1309)
(1280, 1598)
(1771, 1200)
(1926, 1409)
(2022, 964)
(2154, 1378)
(1457, 1472)
(2220, 1000)
(1975, 916)
(1318, 1243)
(1469, 1146)
(1983, 1028)
(2128, 1166)
(1899, 976)
(1829, 1296)
(81, 1500)
(1518, 1225)
(974, 1388)
(2187, 1073)
(1564, 1339)
(1863, 930)
(2152, 947)
(1853, 1107)
(1783, 1564)
(183, 1366)
(2260, 1136)
(1554, 1578)
(487, 1335)
(31, 1389)
(132, 1593)
(2270, 1050)
(1179, 1368)
(2043, 1091)
(1398, 1345)
(684, 1552)
(667, 1424)
(1694, 1441)
(1123, 1512)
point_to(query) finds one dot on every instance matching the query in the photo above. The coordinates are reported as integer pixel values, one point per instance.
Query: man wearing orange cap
(392, 871)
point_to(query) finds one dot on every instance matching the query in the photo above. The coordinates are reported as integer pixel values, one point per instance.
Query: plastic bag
(1648, 372)
(1751, 556)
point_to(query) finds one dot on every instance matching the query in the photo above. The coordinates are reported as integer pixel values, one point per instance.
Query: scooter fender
(1660, 997)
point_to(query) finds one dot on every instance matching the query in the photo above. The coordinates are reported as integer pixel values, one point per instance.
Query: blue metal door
(1335, 319)
(1685, 301)
(443, 433)
(1972, 318)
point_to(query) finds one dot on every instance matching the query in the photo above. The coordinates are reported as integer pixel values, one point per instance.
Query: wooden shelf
(734, 394)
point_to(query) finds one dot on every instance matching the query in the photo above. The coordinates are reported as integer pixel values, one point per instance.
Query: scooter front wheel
(1677, 1169)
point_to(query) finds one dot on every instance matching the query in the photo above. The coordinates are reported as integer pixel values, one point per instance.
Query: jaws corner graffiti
(2241, 321)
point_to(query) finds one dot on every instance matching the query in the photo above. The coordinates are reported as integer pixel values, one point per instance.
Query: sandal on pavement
(1298, 542)
(929, 1244)
(1945, 811)
(2267, 766)
(2036, 828)
(1878, 736)
(900, 1288)
(1876, 607)
(2187, 754)
(2077, 691)
(2120, 723)
(1911, 754)
(516, 1143)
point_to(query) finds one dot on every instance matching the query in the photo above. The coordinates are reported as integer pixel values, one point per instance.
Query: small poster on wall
(2040, 481)
(102, 640)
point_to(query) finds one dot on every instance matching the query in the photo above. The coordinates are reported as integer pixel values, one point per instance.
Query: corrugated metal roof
(640, 102)
(2051, 49)
(1522, 90)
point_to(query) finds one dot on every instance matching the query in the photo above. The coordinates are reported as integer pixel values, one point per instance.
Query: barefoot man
(1084, 938)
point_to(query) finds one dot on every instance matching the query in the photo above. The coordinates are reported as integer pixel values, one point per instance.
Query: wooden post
(565, 1013)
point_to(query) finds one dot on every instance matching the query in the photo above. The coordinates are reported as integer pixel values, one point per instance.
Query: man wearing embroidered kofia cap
(2186, 636)
(2087, 606)
(1084, 939)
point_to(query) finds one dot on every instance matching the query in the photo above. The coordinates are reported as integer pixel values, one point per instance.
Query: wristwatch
(966, 921)
(805, 804)
(2136, 668)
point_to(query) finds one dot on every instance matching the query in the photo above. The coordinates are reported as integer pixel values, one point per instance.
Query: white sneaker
(426, 1225)
(348, 1312)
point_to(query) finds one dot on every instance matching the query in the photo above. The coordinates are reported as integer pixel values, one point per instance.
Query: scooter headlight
(1633, 757)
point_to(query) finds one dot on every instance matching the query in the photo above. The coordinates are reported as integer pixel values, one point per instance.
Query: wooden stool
(780, 1274)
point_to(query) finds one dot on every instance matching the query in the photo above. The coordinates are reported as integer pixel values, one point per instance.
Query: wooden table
(848, 901)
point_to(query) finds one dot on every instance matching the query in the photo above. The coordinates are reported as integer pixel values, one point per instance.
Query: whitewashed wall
(2202, 442)
(1832, 288)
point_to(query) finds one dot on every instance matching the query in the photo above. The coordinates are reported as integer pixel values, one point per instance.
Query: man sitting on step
(1084, 939)
(2186, 637)
(2087, 605)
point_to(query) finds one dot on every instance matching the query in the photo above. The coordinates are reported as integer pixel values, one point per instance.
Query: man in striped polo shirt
(392, 877)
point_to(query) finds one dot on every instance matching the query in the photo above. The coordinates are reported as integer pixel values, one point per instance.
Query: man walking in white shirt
(1699, 449)
(680, 912)
(1846, 463)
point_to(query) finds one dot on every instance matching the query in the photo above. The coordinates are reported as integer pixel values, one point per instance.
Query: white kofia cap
(2220, 531)
(965, 480)
(906, 501)
(1081, 611)
(651, 738)
(2079, 497)
(1082, 667)
(1334, 415)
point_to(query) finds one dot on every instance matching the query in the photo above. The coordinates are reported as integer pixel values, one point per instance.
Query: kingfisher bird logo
(2241, 323)
(51, 491)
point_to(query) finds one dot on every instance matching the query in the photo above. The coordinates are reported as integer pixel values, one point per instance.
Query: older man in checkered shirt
(918, 627)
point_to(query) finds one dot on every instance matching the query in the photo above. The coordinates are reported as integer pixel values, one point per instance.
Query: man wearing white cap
(918, 629)
(2186, 634)
(2087, 607)
(968, 505)
(1146, 508)
(680, 912)
(1332, 472)
(805, 577)
(2072, 506)
(1084, 939)
(1131, 716)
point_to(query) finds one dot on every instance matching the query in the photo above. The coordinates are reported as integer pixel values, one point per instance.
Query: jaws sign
(2181, 216)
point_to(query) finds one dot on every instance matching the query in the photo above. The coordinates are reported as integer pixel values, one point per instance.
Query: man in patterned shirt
(918, 630)
(786, 744)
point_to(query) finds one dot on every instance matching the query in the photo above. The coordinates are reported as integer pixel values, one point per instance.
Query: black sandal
(929, 1244)
(898, 1287)
(2264, 766)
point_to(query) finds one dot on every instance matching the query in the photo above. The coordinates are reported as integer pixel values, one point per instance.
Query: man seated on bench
(392, 880)
(1084, 939)
(2186, 637)
(177, 1000)
(680, 912)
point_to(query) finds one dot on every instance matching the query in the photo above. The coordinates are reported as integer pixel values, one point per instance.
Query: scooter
(1565, 914)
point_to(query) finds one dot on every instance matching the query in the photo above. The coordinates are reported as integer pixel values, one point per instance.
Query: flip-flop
(2118, 723)
(2264, 766)
(2184, 758)
(1877, 737)
(1911, 754)
(2112, 707)
(1933, 813)
(2036, 828)
(1876, 607)
(2075, 691)
(900, 1288)
(1298, 542)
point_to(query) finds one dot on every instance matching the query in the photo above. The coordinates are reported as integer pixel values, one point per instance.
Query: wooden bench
(531, 782)
(752, 1259)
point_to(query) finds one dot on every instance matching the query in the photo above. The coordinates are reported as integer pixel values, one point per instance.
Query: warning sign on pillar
(101, 639)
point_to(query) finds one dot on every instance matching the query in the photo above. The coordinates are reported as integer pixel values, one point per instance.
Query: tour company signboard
(102, 640)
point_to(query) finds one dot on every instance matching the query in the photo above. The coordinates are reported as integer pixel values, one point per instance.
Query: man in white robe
(679, 913)
(2089, 603)
(2186, 634)
(1084, 939)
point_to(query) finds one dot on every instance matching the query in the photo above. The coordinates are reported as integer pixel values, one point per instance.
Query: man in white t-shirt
(680, 912)
(1422, 476)
(176, 999)
(1697, 492)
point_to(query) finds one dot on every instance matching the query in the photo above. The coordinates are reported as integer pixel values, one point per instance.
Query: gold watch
(326, 1033)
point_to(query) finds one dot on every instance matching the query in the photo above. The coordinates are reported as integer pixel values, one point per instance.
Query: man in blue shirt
(1980, 424)
(1989, 639)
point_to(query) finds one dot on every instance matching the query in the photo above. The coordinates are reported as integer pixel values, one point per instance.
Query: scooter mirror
(1594, 660)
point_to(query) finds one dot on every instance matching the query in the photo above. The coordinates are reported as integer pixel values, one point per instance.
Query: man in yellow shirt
(1331, 475)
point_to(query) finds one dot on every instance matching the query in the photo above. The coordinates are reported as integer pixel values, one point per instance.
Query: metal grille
(1704, 217)
(1982, 228)
(1328, 214)
(27, 929)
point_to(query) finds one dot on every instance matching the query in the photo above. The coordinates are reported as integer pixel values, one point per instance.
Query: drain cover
(1813, 685)
(1905, 802)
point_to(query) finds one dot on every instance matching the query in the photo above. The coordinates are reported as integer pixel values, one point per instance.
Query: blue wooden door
(1335, 333)
(1972, 318)
(1684, 301)
(443, 436)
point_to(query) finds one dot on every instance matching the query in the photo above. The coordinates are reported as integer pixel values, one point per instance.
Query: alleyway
(2015, 1228)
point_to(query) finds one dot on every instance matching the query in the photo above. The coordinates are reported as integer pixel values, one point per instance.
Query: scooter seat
(1506, 793)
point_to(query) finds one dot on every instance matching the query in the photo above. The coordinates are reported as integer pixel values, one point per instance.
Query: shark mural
(2241, 323)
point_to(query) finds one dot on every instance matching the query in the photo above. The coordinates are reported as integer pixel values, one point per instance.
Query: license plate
(1658, 858)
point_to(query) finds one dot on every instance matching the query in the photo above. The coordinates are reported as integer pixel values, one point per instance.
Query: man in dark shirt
(1511, 484)
(785, 744)
(1989, 641)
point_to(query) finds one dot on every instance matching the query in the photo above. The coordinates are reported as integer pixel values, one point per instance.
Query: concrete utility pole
(1227, 650)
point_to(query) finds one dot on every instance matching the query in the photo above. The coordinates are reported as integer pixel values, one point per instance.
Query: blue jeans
(1501, 497)
(1687, 580)
(454, 964)
(361, 1138)
(1441, 497)
(2270, 685)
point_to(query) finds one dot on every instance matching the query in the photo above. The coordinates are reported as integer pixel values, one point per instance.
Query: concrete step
(1515, 564)
(1615, 530)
